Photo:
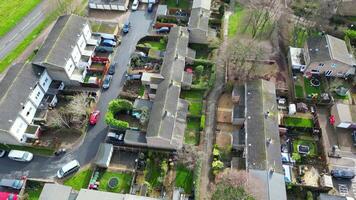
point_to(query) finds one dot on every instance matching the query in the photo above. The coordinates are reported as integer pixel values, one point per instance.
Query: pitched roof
(52, 191)
(327, 47)
(199, 18)
(58, 45)
(263, 158)
(206, 4)
(15, 89)
(167, 118)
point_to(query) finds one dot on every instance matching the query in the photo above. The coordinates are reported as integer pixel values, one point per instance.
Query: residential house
(258, 138)
(345, 115)
(167, 121)
(324, 55)
(60, 192)
(120, 5)
(24, 89)
(66, 53)
(198, 24)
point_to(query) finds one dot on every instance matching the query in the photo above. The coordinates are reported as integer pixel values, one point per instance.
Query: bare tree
(78, 105)
(59, 119)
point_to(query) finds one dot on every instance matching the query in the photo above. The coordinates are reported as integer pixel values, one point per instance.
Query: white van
(134, 6)
(22, 156)
(69, 168)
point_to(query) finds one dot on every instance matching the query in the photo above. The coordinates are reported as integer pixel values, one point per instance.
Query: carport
(104, 154)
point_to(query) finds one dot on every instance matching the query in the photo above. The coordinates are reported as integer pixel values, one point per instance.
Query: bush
(202, 122)
(116, 106)
(350, 33)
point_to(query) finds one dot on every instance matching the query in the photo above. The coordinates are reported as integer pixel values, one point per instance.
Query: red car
(8, 196)
(94, 117)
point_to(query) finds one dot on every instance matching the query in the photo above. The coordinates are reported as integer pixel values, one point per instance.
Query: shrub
(199, 70)
(202, 122)
(350, 33)
(116, 106)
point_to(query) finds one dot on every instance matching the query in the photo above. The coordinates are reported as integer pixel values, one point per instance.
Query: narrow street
(46, 167)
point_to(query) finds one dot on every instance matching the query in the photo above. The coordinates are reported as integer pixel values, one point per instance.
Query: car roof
(70, 165)
(17, 153)
(8, 182)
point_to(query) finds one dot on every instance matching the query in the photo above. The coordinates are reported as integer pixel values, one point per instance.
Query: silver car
(12, 183)
(107, 81)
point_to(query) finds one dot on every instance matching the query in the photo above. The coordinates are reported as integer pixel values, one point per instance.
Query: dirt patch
(122, 160)
(108, 16)
(225, 107)
(61, 138)
(223, 139)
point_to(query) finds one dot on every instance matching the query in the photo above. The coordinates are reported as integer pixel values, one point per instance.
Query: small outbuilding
(104, 154)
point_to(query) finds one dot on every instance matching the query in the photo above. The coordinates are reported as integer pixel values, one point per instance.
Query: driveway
(46, 167)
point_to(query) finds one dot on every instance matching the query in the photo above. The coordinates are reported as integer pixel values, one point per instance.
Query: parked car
(126, 27)
(354, 137)
(12, 183)
(22, 156)
(94, 117)
(134, 6)
(163, 30)
(68, 168)
(342, 174)
(107, 81)
(112, 69)
(104, 49)
(116, 138)
(133, 76)
(108, 43)
(8, 196)
(150, 7)
(106, 36)
(2, 153)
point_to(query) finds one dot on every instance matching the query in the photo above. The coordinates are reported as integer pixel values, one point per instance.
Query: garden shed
(103, 156)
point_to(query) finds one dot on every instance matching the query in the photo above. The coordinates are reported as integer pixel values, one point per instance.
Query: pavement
(26, 26)
(46, 167)
(342, 138)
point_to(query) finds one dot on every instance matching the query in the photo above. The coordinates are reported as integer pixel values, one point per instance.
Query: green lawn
(153, 174)
(157, 45)
(299, 91)
(13, 11)
(310, 143)
(34, 189)
(184, 178)
(79, 180)
(191, 135)
(195, 107)
(124, 182)
(43, 151)
(298, 122)
(309, 89)
(141, 91)
(235, 20)
(183, 4)
(192, 94)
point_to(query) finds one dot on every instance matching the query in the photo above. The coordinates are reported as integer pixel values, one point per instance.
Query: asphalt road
(46, 167)
(13, 38)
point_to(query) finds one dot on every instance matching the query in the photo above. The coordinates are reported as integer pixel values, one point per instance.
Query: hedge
(197, 174)
(116, 106)
(202, 122)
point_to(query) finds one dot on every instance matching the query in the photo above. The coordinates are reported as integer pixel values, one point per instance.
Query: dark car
(342, 174)
(107, 81)
(116, 138)
(12, 183)
(163, 30)
(112, 69)
(108, 43)
(104, 49)
(150, 7)
(126, 27)
(354, 137)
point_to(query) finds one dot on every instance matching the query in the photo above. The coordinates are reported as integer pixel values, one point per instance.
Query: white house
(67, 50)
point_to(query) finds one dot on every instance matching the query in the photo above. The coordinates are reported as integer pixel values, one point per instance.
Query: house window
(45, 81)
(315, 71)
(37, 95)
(333, 65)
(321, 64)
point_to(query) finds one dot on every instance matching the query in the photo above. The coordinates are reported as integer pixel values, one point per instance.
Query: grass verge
(12, 12)
(43, 151)
(235, 20)
(79, 180)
